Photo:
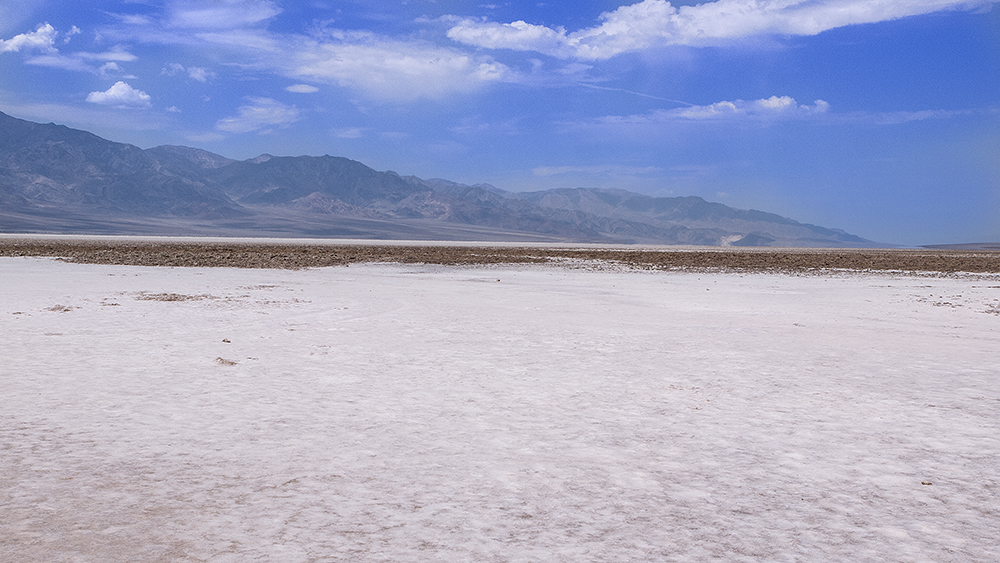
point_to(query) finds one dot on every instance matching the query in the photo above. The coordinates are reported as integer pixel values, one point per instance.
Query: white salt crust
(412, 413)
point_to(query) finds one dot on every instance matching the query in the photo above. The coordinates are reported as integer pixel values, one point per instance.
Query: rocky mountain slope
(57, 179)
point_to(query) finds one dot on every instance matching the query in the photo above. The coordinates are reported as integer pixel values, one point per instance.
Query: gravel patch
(298, 256)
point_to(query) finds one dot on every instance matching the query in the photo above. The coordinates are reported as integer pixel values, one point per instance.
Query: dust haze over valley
(59, 180)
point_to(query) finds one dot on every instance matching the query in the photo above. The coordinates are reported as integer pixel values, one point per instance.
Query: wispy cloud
(779, 108)
(608, 169)
(83, 61)
(774, 108)
(195, 73)
(900, 117)
(302, 89)
(121, 95)
(205, 137)
(350, 133)
(117, 54)
(376, 66)
(200, 74)
(393, 70)
(132, 19)
(172, 69)
(655, 23)
(109, 68)
(13, 13)
(57, 60)
(259, 114)
(69, 34)
(93, 117)
(240, 24)
(220, 14)
(41, 44)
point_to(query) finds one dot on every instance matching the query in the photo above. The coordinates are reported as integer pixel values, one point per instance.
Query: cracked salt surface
(409, 413)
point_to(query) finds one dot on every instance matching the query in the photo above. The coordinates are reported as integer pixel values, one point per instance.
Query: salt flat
(513, 413)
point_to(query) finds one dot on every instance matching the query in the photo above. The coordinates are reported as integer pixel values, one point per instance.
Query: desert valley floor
(508, 412)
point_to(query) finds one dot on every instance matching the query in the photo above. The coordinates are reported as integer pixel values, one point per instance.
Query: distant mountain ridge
(57, 179)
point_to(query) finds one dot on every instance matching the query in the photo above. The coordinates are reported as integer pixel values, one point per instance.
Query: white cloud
(120, 95)
(69, 34)
(774, 108)
(172, 69)
(394, 70)
(194, 72)
(653, 23)
(42, 39)
(302, 89)
(519, 35)
(260, 113)
(220, 14)
(109, 68)
(200, 74)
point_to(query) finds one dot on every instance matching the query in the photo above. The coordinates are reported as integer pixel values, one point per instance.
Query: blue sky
(881, 117)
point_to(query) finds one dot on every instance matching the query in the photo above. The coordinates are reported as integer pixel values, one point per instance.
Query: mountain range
(54, 179)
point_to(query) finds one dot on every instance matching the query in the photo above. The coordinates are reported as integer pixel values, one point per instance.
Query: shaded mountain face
(186, 161)
(277, 180)
(57, 179)
(52, 165)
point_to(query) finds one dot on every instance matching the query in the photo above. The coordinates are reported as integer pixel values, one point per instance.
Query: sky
(879, 117)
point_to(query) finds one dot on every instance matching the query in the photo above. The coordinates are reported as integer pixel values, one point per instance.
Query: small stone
(925, 482)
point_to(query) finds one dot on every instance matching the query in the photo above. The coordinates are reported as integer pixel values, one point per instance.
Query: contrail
(595, 87)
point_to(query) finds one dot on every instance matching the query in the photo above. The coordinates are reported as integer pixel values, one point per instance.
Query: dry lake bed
(575, 408)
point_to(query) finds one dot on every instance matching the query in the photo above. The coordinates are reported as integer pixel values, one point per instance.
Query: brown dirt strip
(295, 256)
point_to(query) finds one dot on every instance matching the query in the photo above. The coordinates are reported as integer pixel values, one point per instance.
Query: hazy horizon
(879, 118)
